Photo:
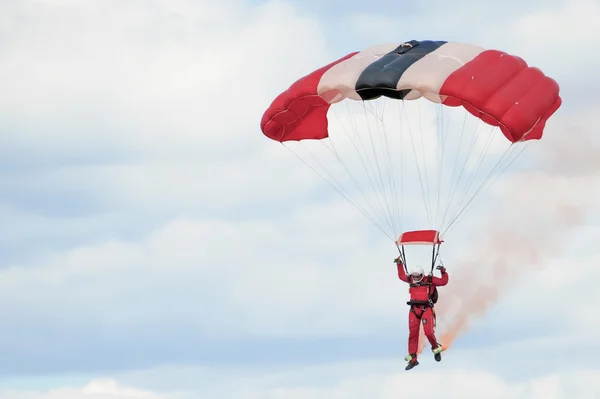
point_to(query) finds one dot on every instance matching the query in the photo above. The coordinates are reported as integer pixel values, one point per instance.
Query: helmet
(417, 274)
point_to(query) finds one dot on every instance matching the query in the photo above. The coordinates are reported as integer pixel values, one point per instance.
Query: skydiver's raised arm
(401, 273)
(440, 281)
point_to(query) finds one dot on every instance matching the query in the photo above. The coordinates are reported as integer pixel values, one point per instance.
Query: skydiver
(423, 295)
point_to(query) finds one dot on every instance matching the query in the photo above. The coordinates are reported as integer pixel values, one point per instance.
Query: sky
(156, 245)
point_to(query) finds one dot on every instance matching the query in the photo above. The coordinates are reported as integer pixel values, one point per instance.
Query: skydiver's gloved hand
(441, 268)
(398, 260)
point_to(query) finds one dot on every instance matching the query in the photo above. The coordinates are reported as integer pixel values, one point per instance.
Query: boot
(412, 361)
(437, 353)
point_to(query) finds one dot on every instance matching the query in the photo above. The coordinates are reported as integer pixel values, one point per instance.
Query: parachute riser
(402, 256)
(434, 256)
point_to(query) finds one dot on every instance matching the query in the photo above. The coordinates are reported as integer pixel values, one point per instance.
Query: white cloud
(561, 39)
(263, 276)
(96, 389)
(151, 80)
(293, 279)
(368, 379)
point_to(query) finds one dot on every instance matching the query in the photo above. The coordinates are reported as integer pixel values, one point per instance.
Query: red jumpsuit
(419, 310)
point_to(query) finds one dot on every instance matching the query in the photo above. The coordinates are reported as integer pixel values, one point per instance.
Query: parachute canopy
(499, 88)
(465, 83)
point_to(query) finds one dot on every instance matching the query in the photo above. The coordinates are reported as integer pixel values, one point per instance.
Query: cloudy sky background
(155, 244)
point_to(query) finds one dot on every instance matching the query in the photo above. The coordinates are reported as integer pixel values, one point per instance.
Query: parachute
(461, 112)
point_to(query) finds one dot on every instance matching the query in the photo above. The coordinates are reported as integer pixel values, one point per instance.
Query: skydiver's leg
(413, 339)
(428, 320)
(413, 332)
(428, 327)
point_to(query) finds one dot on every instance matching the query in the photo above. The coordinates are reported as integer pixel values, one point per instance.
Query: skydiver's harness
(433, 294)
(424, 305)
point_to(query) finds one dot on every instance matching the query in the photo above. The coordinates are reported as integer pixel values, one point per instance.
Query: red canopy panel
(420, 237)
